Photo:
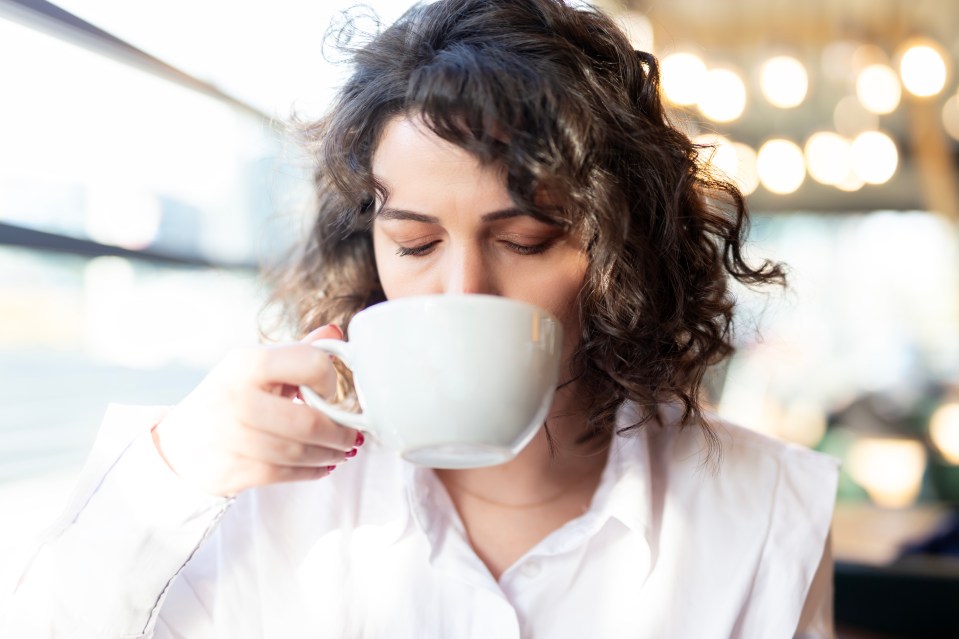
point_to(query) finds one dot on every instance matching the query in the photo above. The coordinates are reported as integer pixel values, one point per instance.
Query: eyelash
(415, 251)
(535, 249)
(521, 249)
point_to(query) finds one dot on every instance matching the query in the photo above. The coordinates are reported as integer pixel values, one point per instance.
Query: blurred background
(146, 175)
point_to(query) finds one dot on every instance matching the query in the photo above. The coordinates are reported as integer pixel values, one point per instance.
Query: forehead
(412, 162)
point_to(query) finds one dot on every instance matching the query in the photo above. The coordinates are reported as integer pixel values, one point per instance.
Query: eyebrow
(389, 213)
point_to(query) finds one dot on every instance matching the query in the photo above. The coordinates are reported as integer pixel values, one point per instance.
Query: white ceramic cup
(450, 381)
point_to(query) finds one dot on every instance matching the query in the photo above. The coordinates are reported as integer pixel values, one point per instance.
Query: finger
(297, 422)
(266, 447)
(259, 472)
(295, 364)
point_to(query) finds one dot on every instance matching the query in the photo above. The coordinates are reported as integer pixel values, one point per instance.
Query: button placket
(531, 569)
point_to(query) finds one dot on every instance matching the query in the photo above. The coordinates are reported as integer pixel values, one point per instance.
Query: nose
(468, 273)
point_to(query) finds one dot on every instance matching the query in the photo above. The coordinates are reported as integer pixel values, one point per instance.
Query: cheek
(557, 290)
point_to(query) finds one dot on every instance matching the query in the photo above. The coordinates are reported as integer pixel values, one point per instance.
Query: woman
(504, 147)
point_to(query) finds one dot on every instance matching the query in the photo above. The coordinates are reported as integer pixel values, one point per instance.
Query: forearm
(104, 569)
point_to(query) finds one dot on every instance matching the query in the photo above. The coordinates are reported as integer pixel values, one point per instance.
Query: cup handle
(340, 349)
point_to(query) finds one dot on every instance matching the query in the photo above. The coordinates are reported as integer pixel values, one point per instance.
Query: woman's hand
(240, 427)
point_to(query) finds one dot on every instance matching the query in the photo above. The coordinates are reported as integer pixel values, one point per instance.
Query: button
(530, 569)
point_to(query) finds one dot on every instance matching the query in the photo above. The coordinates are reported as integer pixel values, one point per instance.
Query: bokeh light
(780, 166)
(836, 60)
(784, 81)
(723, 96)
(682, 77)
(733, 161)
(639, 29)
(877, 87)
(802, 423)
(889, 469)
(828, 157)
(923, 69)
(851, 118)
(950, 117)
(851, 183)
(944, 431)
(746, 178)
(874, 157)
(718, 154)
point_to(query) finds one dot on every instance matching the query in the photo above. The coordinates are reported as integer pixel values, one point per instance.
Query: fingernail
(350, 453)
(359, 440)
(330, 469)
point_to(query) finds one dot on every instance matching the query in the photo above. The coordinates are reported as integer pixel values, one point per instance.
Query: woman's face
(449, 226)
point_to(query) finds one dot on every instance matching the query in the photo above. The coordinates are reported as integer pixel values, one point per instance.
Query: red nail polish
(359, 440)
(350, 453)
(330, 468)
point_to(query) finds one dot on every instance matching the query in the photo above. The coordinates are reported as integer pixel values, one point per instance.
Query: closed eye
(529, 249)
(521, 249)
(414, 251)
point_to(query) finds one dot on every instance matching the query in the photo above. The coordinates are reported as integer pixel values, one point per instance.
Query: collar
(625, 490)
(623, 494)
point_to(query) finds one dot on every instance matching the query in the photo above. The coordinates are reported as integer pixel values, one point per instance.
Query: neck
(538, 475)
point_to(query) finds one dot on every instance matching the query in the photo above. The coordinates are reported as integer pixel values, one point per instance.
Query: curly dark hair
(557, 97)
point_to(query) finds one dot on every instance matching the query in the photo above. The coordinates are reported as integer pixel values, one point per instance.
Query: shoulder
(741, 456)
(800, 483)
(743, 448)
(753, 487)
(766, 504)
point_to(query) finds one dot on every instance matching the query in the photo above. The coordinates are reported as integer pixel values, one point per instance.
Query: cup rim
(465, 299)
